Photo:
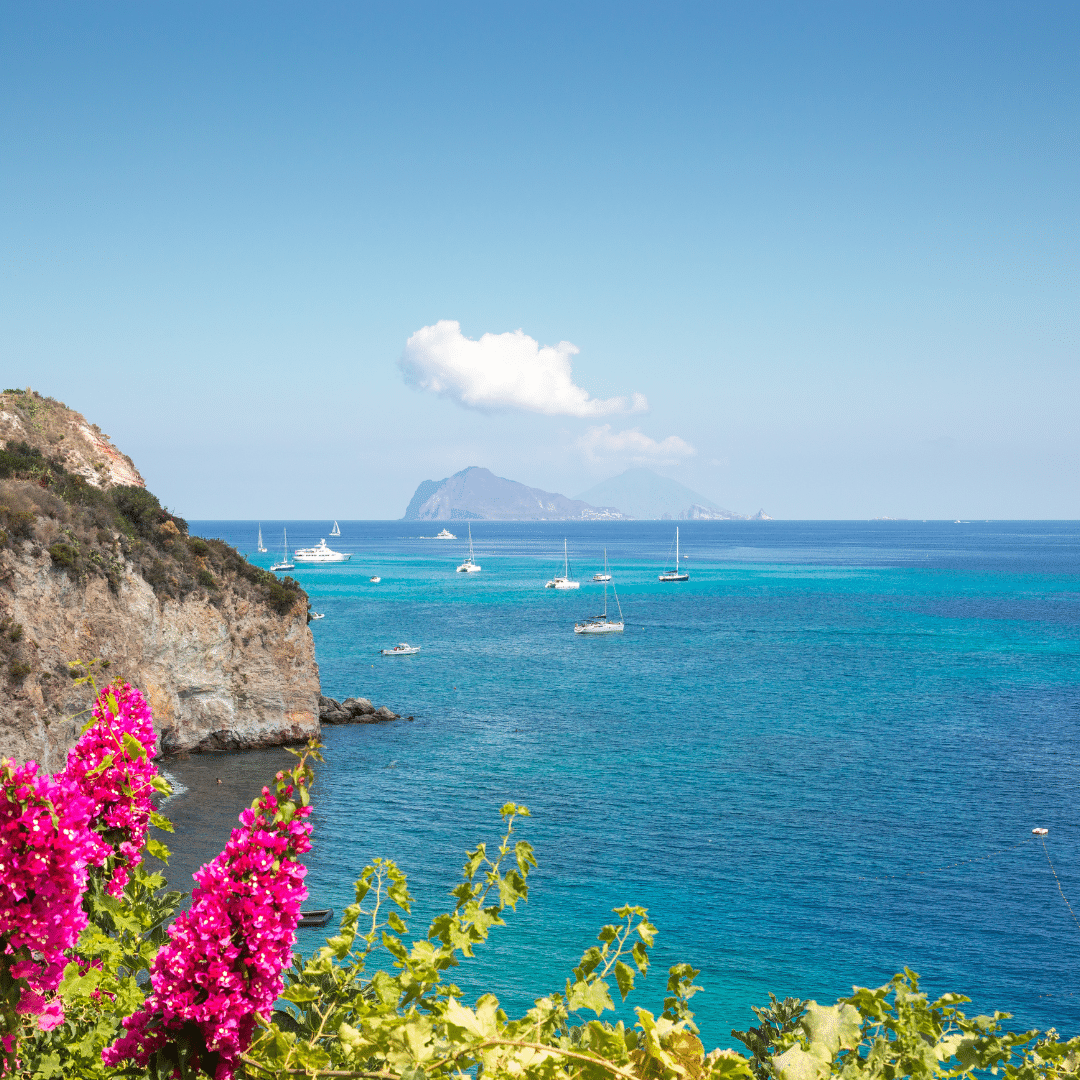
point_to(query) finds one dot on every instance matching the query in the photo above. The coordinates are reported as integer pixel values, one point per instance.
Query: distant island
(477, 494)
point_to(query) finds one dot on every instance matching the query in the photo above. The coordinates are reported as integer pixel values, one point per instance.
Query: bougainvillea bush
(95, 982)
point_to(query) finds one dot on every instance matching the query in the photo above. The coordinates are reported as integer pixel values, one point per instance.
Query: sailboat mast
(565, 561)
(676, 549)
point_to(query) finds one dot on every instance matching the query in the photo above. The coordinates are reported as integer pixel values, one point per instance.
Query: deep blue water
(777, 758)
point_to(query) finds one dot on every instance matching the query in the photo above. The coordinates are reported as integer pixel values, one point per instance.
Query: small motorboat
(375, 580)
(313, 615)
(315, 917)
(1040, 832)
(402, 648)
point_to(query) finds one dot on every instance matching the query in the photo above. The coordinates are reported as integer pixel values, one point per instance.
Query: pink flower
(111, 764)
(225, 954)
(45, 847)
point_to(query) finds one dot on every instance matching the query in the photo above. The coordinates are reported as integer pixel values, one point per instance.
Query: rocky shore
(354, 711)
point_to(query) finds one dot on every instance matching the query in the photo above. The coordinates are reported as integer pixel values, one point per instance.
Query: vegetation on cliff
(96, 528)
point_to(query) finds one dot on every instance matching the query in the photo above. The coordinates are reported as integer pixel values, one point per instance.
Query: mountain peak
(477, 493)
(641, 493)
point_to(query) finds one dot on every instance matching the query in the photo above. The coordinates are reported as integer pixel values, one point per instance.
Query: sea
(816, 762)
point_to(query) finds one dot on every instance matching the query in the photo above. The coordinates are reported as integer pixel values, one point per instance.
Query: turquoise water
(761, 759)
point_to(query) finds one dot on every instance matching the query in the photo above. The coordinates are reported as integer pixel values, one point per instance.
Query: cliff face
(92, 567)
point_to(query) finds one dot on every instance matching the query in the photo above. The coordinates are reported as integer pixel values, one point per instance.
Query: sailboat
(605, 576)
(674, 575)
(468, 566)
(261, 547)
(601, 624)
(284, 564)
(335, 531)
(563, 581)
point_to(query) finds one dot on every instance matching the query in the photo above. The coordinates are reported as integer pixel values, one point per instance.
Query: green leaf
(134, 748)
(592, 995)
(395, 922)
(832, 1027)
(159, 821)
(157, 849)
(624, 976)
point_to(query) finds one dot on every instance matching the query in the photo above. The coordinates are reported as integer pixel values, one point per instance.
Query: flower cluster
(45, 847)
(224, 959)
(111, 764)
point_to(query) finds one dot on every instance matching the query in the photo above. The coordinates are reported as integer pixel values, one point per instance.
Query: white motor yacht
(320, 556)
(402, 648)
(468, 566)
(563, 580)
(446, 534)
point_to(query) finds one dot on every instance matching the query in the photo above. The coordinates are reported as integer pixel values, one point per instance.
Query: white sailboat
(601, 624)
(335, 531)
(674, 575)
(563, 580)
(468, 566)
(284, 564)
(605, 576)
(261, 547)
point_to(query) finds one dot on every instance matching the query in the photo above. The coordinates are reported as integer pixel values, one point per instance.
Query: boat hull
(321, 560)
(673, 577)
(468, 568)
(562, 583)
(599, 627)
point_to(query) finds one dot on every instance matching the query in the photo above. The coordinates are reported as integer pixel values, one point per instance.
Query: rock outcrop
(354, 711)
(91, 567)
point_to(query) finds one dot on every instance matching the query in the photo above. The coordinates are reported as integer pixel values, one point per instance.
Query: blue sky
(833, 246)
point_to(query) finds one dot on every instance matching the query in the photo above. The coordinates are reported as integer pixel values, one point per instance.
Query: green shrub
(204, 577)
(18, 670)
(15, 632)
(197, 546)
(63, 555)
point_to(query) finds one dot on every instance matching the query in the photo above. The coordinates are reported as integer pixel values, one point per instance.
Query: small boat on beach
(402, 648)
(284, 564)
(563, 580)
(468, 566)
(315, 917)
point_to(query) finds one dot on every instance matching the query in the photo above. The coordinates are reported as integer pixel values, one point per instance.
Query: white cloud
(503, 371)
(633, 445)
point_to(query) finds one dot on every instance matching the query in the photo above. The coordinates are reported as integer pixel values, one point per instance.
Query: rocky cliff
(92, 567)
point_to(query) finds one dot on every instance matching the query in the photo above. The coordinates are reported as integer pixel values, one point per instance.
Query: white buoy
(1040, 832)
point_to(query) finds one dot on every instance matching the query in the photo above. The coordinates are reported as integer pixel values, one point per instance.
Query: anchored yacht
(676, 574)
(468, 566)
(320, 556)
(446, 534)
(563, 580)
(601, 624)
(403, 648)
